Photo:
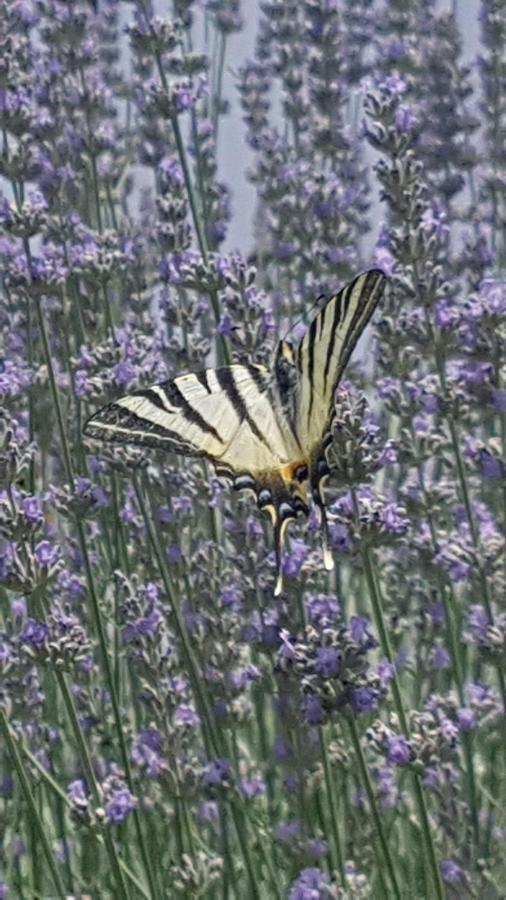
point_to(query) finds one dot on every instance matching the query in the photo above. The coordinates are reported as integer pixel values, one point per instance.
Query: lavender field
(169, 728)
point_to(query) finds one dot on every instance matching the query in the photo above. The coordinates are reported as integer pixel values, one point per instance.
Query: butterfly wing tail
(283, 505)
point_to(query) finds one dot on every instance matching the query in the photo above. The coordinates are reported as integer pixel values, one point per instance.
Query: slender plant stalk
(219, 84)
(13, 749)
(366, 779)
(456, 662)
(199, 228)
(91, 779)
(64, 799)
(386, 647)
(338, 861)
(195, 678)
(99, 624)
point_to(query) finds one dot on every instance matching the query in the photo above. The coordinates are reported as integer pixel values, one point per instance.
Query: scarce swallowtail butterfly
(266, 429)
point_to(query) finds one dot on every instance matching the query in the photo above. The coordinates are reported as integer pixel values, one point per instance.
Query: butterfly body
(265, 429)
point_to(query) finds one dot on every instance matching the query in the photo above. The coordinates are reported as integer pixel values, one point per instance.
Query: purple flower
(317, 848)
(185, 716)
(217, 773)
(492, 467)
(34, 633)
(31, 510)
(359, 631)
(252, 786)
(121, 803)
(399, 751)
(76, 791)
(295, 558)
(289, 832)
(440, 658)
(123, 373)
(46, 554)
(466, 718)
(313, 710)
(386, 671)
(394, 518)
(311, 884)
(451, 871)
(364, 699)
(327, 662)
(499, 399)
(322, 609)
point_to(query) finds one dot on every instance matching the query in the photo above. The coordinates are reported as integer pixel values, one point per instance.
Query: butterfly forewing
(223, 414)
(326, 348)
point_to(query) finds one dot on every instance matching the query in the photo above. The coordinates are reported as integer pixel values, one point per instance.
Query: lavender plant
(169, 729)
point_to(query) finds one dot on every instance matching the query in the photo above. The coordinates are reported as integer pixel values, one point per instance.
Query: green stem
(210, 733)
(65, 800)
(456, 659)
(366, 779)
(468, 508)
(219, 83)
(90, 778)
(12, 746)
(386, 647)
(199, 231)
(99, 624)
(332, 809)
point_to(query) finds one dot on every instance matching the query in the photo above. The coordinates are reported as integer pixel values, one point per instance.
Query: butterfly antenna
(305, 317)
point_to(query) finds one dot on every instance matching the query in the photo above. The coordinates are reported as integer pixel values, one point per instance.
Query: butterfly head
(285, 368)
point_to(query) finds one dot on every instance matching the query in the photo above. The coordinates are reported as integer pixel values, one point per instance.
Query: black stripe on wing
(122, 426)
(176, 398)
(369, 297)
(340, 309)
(203, 380)
(311, 358)
(226, 381)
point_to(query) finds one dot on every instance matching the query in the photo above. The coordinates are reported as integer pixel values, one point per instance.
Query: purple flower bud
(252, 786)
(226, 325)
(398, 750)
(289, 832)
(466, 718)
(123, 373)
(31, 510)
(386, 671)
(46, 554)
(327, 662)
(492, 467)
(122, 803)
(311, 884)
(76, 790)
(34, 633)
(364, 699)
(185, 716)
(450, 871)
(217, 773)
(313, 710)
(499, 399)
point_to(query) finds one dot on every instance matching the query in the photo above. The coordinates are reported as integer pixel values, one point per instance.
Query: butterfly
(266, 429)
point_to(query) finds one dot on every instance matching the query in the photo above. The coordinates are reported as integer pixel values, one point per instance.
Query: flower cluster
(164, 719)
